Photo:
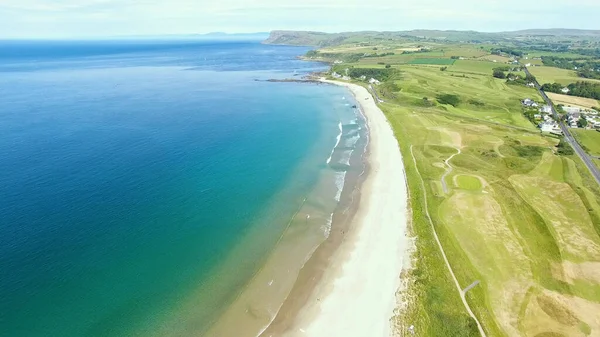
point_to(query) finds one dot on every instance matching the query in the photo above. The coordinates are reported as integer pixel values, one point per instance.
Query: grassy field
(479, 94)
(508, 218)
(432, 60)
(467, 51)
(563, 76)
(573, 100)
(482, 67)
(519, 218)
(589, 139)
(534, 62)
(497, 58)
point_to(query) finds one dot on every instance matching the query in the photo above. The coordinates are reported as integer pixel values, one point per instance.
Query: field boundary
(458, 288)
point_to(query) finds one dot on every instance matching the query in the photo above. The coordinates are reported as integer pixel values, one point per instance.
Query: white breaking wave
(337, 142)
(345, 158)
(327, 226)
(350, 142)
(340, 178)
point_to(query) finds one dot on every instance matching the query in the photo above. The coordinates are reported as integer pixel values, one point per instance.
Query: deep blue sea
(130, 169)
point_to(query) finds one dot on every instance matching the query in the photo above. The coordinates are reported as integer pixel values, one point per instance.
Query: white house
(531, 84)
(565, 90)
(546, 109)
(527, 102)
(374, 81)
(546, 127)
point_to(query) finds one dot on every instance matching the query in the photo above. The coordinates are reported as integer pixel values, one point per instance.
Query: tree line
(506, 50)
(580, 89)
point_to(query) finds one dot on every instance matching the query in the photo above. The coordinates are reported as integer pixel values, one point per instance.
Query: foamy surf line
(337, 142)
(356, 296)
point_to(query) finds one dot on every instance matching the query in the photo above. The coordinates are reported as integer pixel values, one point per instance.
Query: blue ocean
(131, 170)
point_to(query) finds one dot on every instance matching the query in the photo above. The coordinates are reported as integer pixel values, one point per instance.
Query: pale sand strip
(357, 294)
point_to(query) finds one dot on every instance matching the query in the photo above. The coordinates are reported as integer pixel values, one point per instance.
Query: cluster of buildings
(544, 115)
(547, 123)
(574, 114)
(362, 78)
(343, 77)
(527, 102)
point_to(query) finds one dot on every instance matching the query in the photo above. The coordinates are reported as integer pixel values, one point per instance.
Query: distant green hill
(320, 39)
(556, 32)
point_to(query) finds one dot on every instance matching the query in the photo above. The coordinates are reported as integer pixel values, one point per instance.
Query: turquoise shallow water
(131, 169)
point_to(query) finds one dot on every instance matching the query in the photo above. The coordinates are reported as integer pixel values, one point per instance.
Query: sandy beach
(356, 293)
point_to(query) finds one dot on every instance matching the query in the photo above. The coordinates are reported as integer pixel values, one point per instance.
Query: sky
(108, 18)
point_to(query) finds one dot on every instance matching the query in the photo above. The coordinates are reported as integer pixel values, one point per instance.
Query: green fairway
(589, 139)
(501, 102)
(467, 182)
(432, 61)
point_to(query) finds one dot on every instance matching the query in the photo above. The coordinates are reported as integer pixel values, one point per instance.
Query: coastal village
(573, 116)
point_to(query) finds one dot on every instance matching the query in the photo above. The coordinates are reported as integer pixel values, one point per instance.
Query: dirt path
(458, 288)
(448, 171)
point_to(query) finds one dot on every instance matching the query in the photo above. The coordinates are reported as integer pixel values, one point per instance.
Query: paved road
(568, 136)
(470, 286)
